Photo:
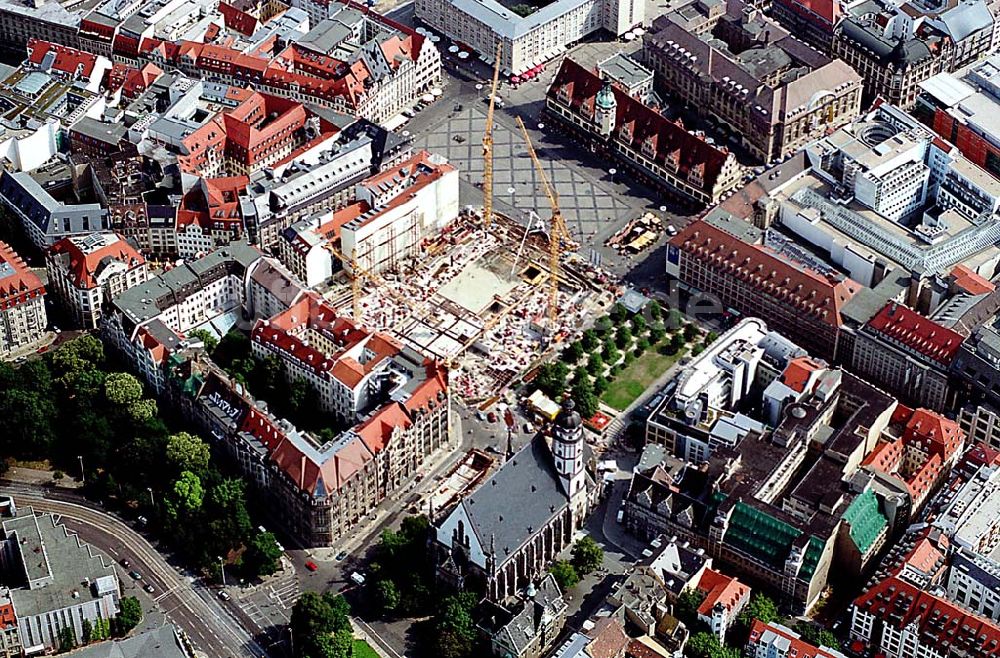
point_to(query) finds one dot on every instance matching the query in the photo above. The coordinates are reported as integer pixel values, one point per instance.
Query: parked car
(135, 575)
(341, 556)
(125, 563)
(311, 566)
(149, 588)
(491, 416)
(224, 595)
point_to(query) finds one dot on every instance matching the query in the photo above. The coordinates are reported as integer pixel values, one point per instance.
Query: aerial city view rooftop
(500, 328)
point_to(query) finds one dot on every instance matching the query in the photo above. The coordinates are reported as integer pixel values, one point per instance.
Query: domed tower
(605, 108)
(567, 451)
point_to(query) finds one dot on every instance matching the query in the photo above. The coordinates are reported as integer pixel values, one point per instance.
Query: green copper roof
(866, 520)
(809, 561)
(606, 97)
(760, 534)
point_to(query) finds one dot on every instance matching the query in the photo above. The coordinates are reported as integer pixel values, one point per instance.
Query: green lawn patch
(637, 376)
(363, 650)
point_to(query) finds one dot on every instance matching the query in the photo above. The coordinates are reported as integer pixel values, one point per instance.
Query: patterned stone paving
(587, 206)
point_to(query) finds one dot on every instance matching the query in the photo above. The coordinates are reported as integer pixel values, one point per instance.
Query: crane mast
(557, 231)
(488, 144)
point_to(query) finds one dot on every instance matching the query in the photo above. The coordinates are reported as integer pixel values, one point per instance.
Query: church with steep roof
(503, 536)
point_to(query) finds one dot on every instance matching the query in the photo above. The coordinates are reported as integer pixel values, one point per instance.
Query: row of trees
(613, 343)
(105, 421)
(129, 616)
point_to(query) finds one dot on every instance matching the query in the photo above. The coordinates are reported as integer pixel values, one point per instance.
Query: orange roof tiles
(83, 266)
(972, 283)
(720, 589)
(798, 371)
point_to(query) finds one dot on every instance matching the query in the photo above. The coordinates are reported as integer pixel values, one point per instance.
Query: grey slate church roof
(522, 496)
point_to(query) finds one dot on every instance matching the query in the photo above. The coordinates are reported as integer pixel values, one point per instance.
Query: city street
(192, 608)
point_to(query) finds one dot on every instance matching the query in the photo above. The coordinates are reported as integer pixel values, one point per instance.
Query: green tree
(657, 332)
(317, 616)
(600, 385)
(143, 410)
(387, 596)
(610, 352)
(122, 388)
(677, 343)
(590, 340)
(702, 645)
(583, 395)
(208, 340)
(690, 331)
(573, 352)
(603, 326)
(654, 309)
(623, 336)
(641, 345)
(687, 606)
(565, 575)
(619, 313)
(587, 555)
(263, 556)
(455, 631)
(674, 319)
(711, 337)
(67, 638)
(638, 324)
(552, 377)
(187, 452)
(761, 607)
(595, 364)
(88, 631)
(342, 644)
(130, 613)
(188, 493)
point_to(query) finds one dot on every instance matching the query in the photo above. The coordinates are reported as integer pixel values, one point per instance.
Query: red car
(311, 566)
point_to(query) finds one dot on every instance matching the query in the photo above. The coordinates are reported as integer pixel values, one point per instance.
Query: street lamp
(222, 566)
(152, 502)
(612, 171)
(83, 475)
(541, 126)
(513, 199)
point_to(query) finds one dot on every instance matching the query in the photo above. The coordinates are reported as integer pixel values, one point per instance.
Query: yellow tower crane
(557, 232)
(488, 144)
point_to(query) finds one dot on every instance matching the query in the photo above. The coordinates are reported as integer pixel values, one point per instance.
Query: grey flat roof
(110, 133)
(509, 25)
(159, 643)
(71, 562)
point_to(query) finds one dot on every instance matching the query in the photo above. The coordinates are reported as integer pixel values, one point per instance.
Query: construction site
(485, 294)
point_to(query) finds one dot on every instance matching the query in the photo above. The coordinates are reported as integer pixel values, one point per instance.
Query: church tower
(605, 109)
(567, 451)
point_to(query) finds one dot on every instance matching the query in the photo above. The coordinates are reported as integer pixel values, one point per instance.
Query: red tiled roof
(970, 282)
(83, 267)
(577, 87)
(66, 60)
(720, 589)
(18, 283)
(793, 284)
(917, 333)
(939, 624)
(237, 20)
(934, 433)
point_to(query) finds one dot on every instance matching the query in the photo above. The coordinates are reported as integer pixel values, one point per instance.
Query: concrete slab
(474, 288)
